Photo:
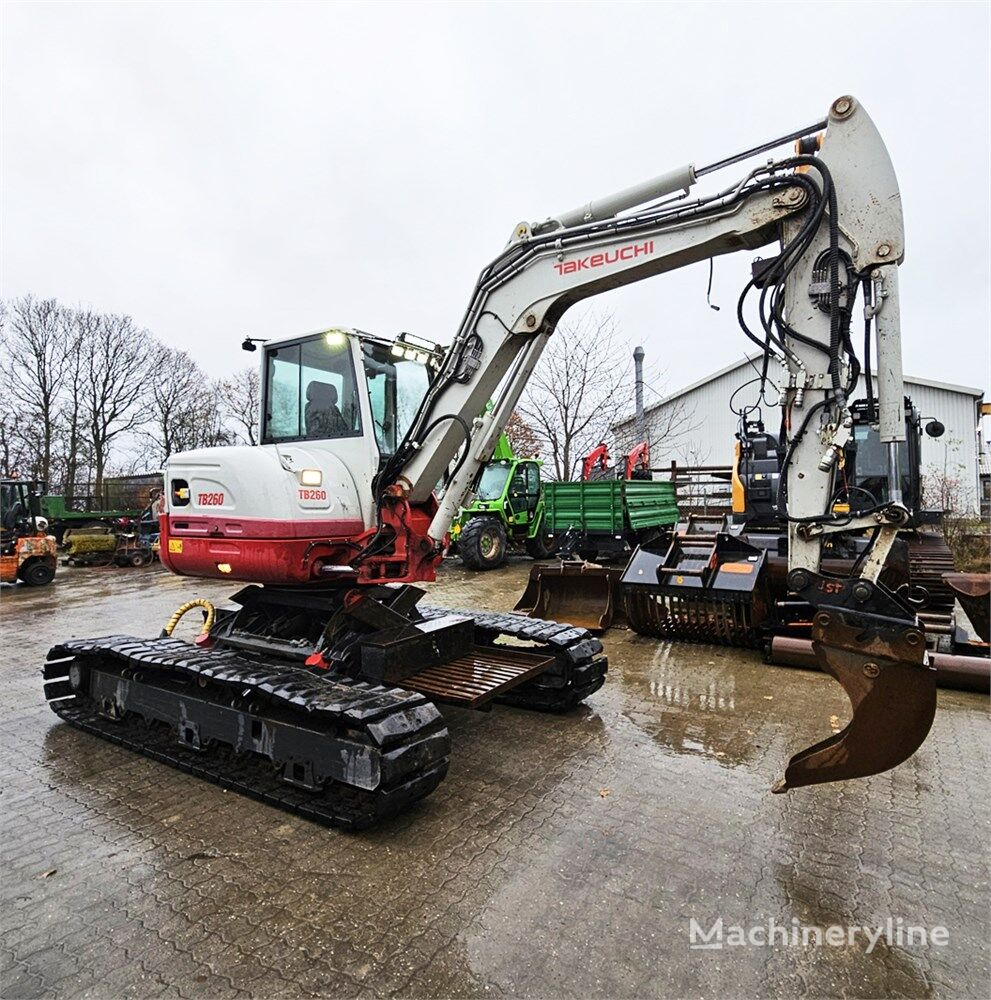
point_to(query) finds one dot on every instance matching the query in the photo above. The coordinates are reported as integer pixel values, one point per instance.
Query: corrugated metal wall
(697, 427)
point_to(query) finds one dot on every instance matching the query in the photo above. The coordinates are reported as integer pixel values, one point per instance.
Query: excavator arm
(834, 212)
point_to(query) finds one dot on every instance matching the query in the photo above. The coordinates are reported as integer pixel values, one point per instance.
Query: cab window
(492, 481)
(396, 387)
(524, 491)
(533, 477)
(311, 392)
(871, 464)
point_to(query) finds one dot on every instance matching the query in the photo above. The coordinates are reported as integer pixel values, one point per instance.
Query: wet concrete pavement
(563, 856)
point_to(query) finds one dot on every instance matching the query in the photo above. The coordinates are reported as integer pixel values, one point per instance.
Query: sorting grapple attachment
(705, 588)
(876, 649)
(583, 594)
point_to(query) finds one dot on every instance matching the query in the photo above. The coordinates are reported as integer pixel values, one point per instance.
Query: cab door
(524, 492)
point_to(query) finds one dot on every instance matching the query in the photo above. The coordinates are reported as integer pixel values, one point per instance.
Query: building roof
(963, 390)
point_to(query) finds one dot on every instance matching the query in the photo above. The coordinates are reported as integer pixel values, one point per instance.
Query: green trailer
(82, 506)
(608, 518)
(600, 519)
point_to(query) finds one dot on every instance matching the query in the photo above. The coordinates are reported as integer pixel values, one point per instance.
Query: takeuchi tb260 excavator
(316, 689)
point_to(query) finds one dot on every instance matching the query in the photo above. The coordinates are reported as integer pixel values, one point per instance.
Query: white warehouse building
(695, 426)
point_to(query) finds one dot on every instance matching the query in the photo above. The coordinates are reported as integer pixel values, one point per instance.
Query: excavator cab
(336, 405)
(865, 460)
(756, 475)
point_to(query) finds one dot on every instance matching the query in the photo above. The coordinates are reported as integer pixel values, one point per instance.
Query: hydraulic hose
(197, 602)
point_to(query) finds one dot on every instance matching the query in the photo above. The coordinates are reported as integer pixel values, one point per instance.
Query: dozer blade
(882, 665)
(579, 593)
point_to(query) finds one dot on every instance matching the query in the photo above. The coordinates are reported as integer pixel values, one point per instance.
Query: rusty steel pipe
(962, 673)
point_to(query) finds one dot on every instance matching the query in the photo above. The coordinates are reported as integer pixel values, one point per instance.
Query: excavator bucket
(583, 594)
(972, 590)
(892, 689)
(707, 587)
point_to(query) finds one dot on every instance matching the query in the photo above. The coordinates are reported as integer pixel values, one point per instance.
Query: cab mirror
(935, 429)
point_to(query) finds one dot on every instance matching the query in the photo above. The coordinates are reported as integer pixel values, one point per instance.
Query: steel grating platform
(484, 674)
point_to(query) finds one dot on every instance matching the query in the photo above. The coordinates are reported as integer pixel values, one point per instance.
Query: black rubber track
(402, 726)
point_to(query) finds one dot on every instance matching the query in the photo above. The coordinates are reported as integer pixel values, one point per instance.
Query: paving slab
(564, 855)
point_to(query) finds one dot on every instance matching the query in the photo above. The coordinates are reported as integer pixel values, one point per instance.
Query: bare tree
(18, 451)
(210, 420)
(76, 452)
(241, 396)
(116, 364)
(581, 386)
(524, 439)
(35, 344)
(171, 403)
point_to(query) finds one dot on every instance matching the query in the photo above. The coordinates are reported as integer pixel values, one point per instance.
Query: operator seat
(322, 416)
(15, 513)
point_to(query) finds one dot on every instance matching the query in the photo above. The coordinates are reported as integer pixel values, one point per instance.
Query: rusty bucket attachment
(881, 662)
(707, 587)
(973, 591)
(579, 593)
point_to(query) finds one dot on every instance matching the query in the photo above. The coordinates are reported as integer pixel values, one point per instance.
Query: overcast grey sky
(217, 170)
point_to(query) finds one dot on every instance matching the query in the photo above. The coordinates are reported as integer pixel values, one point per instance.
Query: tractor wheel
(136, 559)
(539, 547)
(482, 543)
(37, 573)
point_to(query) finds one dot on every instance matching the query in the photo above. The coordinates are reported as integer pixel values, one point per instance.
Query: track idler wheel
(882, 665)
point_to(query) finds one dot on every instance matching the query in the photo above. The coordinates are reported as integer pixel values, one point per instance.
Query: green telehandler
(507, 512)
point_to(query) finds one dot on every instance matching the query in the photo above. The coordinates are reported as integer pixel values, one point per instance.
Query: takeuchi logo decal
(630, 252)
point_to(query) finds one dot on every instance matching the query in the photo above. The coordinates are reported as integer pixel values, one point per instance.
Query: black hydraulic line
(786, 462)
(762, 148)
(790, 256)
(464, 426)
(836, 334)
(744, 410)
